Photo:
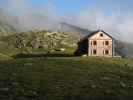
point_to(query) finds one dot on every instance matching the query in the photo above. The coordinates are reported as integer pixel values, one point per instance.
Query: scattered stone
(14, 74)
(105, 78)
(31, 93)
(34, 92)
(130, 66)
(62, 49)
(131, 86)
(122, 84)
(108, 91)
(93, 86)
(84, 56)
(4, 89)
(15, 83)
(28, 64)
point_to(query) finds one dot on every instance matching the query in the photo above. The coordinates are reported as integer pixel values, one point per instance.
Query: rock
(15, 83)
(62, 49)
(4, 89)
(84, 56)
(108, 91)
(131, 86)
(14, 74)
(93, 86)
(28, 64)
(105, 78)
(122, 84)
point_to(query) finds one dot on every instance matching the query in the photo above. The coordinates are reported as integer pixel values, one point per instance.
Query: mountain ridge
(73, 32)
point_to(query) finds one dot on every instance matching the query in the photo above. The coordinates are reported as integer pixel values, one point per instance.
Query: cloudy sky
(74, 6)
(114, 16)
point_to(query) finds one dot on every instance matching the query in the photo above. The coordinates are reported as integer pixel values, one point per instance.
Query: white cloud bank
(119, 24)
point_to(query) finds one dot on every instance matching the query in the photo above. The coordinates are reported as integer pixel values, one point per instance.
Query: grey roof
(94, 32)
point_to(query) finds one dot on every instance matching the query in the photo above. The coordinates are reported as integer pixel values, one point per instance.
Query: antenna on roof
(99, 28)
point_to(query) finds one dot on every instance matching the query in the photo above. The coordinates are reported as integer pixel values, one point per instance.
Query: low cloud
(27, 17)
(118, 24)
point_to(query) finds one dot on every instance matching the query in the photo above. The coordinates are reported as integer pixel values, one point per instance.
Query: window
(94, 42)
(101, 35)
(94, 51)
(106, 42)
(91, 42)
(106, 52)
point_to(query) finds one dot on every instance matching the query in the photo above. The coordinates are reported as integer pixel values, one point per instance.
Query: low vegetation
(37, 42)
(39, 65)
(66, 79)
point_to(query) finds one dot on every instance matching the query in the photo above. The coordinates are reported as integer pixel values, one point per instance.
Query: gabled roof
(94, 32)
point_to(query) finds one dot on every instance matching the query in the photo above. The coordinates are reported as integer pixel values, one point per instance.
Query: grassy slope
(66, 79)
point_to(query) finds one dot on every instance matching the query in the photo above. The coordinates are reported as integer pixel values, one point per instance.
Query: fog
(26, 17)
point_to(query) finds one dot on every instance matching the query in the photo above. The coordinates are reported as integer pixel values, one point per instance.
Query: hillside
(47, 41)
(6, 23)
(40, 42)
(66, 27)
(124, 49)
(6, 29)
(63, 35)
(66, 79)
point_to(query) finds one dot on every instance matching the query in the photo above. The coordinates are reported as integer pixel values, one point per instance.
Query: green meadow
(66, 78)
